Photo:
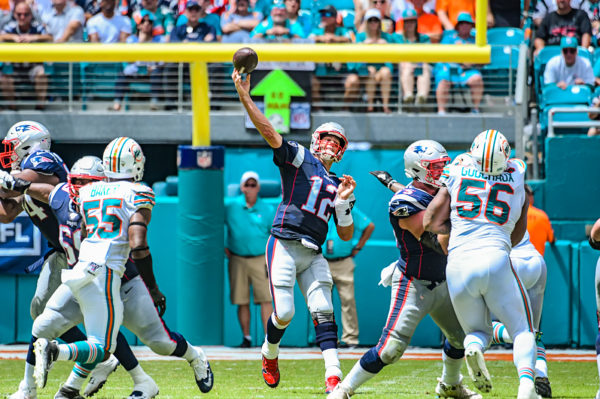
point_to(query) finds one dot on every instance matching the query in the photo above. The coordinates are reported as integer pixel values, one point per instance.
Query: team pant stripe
(271, 246)
(110, 310)
(399, 302)
(524, 299)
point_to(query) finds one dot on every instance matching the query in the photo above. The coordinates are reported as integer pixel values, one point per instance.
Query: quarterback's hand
(160, 301)
(242, 86)
(384, 177)
(346, 187)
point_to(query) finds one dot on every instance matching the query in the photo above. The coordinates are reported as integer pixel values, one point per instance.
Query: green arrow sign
(278, 88)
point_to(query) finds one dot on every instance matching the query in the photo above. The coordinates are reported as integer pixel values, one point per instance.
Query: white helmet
(420, 159)
(123, 159)
(22, 139)
(329, 150)
(88, 167)
(490, 151)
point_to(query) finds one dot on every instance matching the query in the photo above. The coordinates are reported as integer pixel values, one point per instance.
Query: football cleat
(598, 394)
(46, 353)
(24, 392)
(203, 374)
(66, 392)
(147, 389)
(100, 375)
(340, 392)
(477, 370)
(527, 391)
(455, 391)
(542, 387)
(270, 371)
(331, 382)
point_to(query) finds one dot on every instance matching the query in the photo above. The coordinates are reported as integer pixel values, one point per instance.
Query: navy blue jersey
(69, 221)
(45, 163)
(309, 193)
(421, 261)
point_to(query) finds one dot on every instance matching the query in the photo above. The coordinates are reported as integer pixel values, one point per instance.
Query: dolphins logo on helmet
(123, 159)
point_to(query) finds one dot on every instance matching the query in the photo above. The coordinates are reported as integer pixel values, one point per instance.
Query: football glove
(384, 177)
(9, 182)
(159, 299)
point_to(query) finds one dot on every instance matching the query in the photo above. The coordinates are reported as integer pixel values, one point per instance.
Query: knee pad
(326, 335)
(371, 361)
(182, 344)
(452, 352)
(320, 317)
(285, 313)
(393, 350)
(36, 308)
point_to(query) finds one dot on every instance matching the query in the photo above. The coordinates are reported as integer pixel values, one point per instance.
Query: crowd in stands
(320, 21)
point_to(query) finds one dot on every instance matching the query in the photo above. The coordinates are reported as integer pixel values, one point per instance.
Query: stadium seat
(268, 189)
(505, 36)
(347, 18)
(172, 185)
(504, 57)
(500, 74)
(160, 188)
(99, 80)
(572, 96)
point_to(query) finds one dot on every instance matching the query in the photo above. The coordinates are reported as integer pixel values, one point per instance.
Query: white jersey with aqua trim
(524, 248)
(107, 208)
(484, 208)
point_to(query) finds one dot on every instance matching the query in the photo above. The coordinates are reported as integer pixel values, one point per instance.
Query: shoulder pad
(405, 203)
(516, 164)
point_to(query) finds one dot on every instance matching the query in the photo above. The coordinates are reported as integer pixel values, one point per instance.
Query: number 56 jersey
(484, 208)
(106, 208)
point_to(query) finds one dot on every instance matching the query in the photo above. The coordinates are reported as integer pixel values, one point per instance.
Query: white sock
(524, 352)
(64, 353)
(451, 370)
(473, 341)
(74, 381)
(138, 375)
(192, 353)
(269, 350)
(28, 378)
(598, 363)
(248, 337)
(332, 363)
(357, 377)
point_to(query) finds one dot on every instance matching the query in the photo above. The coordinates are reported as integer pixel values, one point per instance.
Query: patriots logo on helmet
(24, 128)
(419, 149)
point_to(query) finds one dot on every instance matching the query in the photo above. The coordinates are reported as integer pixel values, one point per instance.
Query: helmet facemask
(76, 181)
(9, 157)
(434, 169)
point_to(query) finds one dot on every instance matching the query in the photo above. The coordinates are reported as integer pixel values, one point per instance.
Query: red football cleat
(270, 371)
(331, 382)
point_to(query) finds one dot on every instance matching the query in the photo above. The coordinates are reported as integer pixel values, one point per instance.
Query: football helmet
(123, 159)
(22, 139)
(490, 151)
(85, 168)
(328, 150)
(424, 161)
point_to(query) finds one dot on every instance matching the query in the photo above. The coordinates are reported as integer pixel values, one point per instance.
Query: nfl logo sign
(204, 159)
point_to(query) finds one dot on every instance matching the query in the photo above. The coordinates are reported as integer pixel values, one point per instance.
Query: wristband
(343, 211)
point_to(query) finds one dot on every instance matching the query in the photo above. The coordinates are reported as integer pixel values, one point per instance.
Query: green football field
(305, 379)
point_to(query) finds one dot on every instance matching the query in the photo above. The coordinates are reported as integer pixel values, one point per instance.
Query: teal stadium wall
(569, 295)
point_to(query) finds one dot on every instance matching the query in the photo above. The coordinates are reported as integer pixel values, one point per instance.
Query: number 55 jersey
(484, 208)
(107, 208)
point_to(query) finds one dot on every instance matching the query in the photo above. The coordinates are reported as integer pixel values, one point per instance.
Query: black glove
(430, 240)
(384, 177)
(160, 301)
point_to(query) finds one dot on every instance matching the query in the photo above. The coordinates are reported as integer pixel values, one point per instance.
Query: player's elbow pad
(594, 244)
(343, 210)
(430, 240)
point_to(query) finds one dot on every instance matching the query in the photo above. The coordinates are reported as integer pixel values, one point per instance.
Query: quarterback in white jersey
(484, 208)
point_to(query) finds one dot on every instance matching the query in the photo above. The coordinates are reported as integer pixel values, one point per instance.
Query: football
(245, 60)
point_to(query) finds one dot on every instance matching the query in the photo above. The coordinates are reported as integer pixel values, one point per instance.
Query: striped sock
(84, 352)
(526, 372)
(78, 375)
(541, 366)
(500, 334)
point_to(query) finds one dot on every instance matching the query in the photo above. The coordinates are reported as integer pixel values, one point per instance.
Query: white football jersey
(484, 208)
(107, 208)
(525, 248)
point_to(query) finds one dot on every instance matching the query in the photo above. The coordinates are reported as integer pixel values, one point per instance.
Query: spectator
(163, 21)
(504, 13)
(141, 70)
(64, 22)
(411, 35)
(25, 30)
(248, 219)
(375, 73)
(397, 7)
(108, 26)
(212, 20)
(538, 225)
(194, 30)
(340, 256)
(427, 23)
(545, 7)
(361, 6)
(328, 31)
(237, 24)
(449, 10)
(565, 21)
(277, 28)
(90, 7)
(569, 68)
(459, 74)
(293, 14)
(594, 131)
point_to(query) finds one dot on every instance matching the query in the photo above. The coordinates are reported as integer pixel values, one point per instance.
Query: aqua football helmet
(424, 161)
(22, 139)
(490, 151)
(123, 159)
(328, 150)
(84, 171)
